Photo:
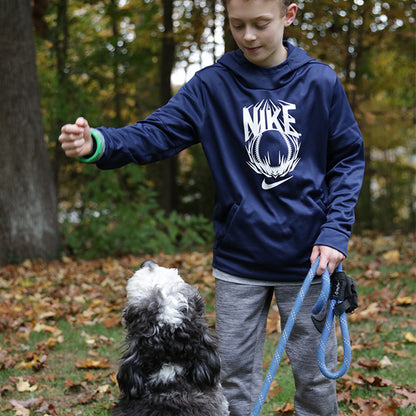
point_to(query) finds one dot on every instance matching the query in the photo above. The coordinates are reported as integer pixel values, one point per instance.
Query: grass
(64, 387)
(79, 303)
(385, 273)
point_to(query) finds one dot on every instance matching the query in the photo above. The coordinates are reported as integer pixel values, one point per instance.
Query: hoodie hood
(266, 78)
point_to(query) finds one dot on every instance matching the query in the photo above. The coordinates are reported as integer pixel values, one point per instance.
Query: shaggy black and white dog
(171, 366)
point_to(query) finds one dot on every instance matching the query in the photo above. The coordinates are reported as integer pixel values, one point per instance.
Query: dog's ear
(204, 370)
(206, 367)
(130, 379)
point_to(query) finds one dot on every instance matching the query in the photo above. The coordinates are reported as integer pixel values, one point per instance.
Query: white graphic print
(271, 141)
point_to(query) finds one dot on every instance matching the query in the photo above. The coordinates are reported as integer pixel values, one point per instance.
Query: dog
(170, 366)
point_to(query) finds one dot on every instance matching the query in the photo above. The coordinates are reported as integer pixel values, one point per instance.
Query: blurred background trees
(116, 61)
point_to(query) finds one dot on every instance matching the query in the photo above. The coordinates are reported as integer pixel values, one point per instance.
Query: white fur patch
(166, 374)
(142, 283)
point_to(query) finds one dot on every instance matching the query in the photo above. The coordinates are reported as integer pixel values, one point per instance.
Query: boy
(287, 159)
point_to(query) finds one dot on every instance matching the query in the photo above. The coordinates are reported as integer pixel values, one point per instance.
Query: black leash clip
(343, 290)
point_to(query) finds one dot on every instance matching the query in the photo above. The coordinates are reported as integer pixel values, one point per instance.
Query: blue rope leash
(319, 305)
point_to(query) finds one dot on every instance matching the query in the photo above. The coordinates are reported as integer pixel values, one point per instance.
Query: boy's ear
(290, 14)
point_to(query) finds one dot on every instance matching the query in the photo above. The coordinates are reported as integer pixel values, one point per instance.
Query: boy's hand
(330, 258)
(76, 138)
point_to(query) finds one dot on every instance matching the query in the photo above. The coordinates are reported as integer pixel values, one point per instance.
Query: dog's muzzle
(148, 264)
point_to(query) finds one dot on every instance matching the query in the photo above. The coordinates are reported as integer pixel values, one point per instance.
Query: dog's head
(160, 293)
(164, 317)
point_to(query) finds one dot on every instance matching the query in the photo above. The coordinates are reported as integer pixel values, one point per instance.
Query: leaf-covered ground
(61, 333)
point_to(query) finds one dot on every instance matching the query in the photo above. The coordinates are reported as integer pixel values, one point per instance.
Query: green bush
(117, 213)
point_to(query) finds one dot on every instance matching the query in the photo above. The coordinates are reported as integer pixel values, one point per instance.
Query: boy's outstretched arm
(75, 139)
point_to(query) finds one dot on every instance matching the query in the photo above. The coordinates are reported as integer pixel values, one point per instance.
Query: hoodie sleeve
(345, 170)
(163, 134)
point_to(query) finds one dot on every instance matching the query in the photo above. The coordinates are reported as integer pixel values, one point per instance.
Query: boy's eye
(262, 25)
(237, 27)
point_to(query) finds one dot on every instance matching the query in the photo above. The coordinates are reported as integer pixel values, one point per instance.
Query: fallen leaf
(27, 404)
(372, 309)
(90, 377)
(51, 342)
(377, 381)
(371, 363)
(47, 409)
(375, 407)
(23, 386)
(404, 301)
(92, 364)
(287, 409)
(409, 337)
(42, 327)
(103, 389)
(112, 320)
(74, 386)
(88, 399)
(20, 410)
(6, 361)
(385, 362)
(37, 363)
(410, 396)
(392, 257)
(5, 389)
(398, 353)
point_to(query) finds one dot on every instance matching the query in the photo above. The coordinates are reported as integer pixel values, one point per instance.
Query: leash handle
(325, 335)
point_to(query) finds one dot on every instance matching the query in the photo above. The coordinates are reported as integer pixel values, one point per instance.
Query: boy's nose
(249, 35)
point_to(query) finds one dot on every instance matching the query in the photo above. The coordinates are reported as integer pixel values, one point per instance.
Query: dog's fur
(171, 366)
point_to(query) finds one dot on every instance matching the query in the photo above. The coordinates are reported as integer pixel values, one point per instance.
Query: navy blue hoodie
(285, 152)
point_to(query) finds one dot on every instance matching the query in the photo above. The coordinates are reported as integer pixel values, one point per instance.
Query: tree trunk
(28, 212)
(169, 166)
(60, 47)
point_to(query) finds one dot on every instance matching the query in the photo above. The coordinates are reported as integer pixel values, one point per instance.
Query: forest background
(116, 61)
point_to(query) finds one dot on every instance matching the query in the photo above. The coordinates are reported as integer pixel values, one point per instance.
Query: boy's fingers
(315, 254)
(322, 265)
(71, 130)
(81, 122)
(73, 148)
(329, 257)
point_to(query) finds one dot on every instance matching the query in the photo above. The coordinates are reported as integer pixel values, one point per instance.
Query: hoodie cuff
(335, 239)
(98, 148)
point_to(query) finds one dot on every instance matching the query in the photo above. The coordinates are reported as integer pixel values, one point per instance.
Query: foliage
(61, 331)
(107, 69)
(371, 45)
(117, 213)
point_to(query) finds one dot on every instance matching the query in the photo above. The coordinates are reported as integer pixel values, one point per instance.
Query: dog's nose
(148, 264)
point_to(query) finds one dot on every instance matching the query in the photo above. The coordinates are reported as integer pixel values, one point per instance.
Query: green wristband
(97, 154)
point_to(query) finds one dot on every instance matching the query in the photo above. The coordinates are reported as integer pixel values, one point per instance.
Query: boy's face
(257, 27)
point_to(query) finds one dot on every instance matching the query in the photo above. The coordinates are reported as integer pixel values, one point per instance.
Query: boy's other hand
(330, 258)
(76, 138)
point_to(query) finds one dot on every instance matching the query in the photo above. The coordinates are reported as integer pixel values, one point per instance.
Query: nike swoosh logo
(266, 186)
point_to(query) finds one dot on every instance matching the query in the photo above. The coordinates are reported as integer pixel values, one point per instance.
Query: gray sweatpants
(241, 317)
